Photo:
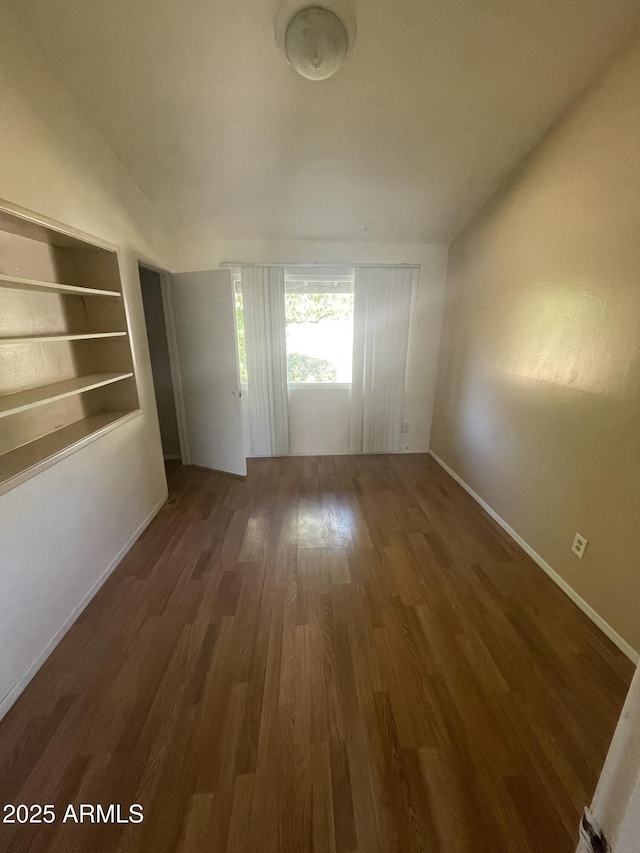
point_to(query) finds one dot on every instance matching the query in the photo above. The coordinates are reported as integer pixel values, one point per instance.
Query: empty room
(319, 426)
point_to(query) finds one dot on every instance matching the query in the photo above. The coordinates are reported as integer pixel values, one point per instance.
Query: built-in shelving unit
(66, 366)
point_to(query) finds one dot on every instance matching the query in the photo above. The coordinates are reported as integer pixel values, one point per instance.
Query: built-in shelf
(18, 465)
(17, 283)
(45, 339)
(11, 404)
(66, 368)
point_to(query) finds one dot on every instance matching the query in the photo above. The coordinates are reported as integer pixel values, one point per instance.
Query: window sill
(319, 386)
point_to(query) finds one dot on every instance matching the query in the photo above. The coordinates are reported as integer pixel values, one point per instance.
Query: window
(319, 325)
(242, 346)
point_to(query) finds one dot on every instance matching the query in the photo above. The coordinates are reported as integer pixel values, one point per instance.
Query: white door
(205, 322)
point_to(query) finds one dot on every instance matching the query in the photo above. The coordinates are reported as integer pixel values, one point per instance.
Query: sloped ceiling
(437, 103)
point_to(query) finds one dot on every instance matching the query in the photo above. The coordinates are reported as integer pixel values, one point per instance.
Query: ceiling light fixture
(315, 38)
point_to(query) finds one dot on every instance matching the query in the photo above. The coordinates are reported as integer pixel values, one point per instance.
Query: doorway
(163, 367)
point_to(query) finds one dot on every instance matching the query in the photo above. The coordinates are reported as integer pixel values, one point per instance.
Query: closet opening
(166, 377)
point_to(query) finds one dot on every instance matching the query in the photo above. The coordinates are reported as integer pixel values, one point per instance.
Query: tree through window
(319, 323)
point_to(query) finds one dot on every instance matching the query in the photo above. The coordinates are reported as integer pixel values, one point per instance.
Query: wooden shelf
(16, 283)
(44, 339)
(18, 465)
(11, 404)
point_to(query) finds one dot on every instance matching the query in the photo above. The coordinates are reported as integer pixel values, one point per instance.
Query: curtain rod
(317, 264)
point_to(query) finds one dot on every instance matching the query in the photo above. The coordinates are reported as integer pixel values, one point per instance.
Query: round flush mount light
(315, 38)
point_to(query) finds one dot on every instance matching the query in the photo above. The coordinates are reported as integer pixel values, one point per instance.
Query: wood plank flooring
(338, 654)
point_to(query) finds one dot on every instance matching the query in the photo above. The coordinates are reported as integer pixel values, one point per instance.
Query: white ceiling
(436, 104)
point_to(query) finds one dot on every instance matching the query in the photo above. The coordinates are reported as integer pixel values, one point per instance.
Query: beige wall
(61, 531)
(538, 394)
(424, 336)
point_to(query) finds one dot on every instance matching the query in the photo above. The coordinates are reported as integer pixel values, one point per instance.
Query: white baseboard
(564, 586)
(305, 453)
(22, 682)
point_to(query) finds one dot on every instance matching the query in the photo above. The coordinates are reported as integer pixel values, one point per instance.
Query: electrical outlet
(405, 427)
(579, 545)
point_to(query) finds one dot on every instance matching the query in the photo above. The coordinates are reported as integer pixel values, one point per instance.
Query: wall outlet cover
(579, 545)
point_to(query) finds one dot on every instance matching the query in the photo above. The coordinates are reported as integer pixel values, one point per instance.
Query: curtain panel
(266, 345)
(382, 314)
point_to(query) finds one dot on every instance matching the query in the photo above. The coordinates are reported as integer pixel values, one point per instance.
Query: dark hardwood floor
(337, 654)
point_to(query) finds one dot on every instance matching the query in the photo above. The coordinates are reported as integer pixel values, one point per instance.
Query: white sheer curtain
(265, 336)
(382, 313)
